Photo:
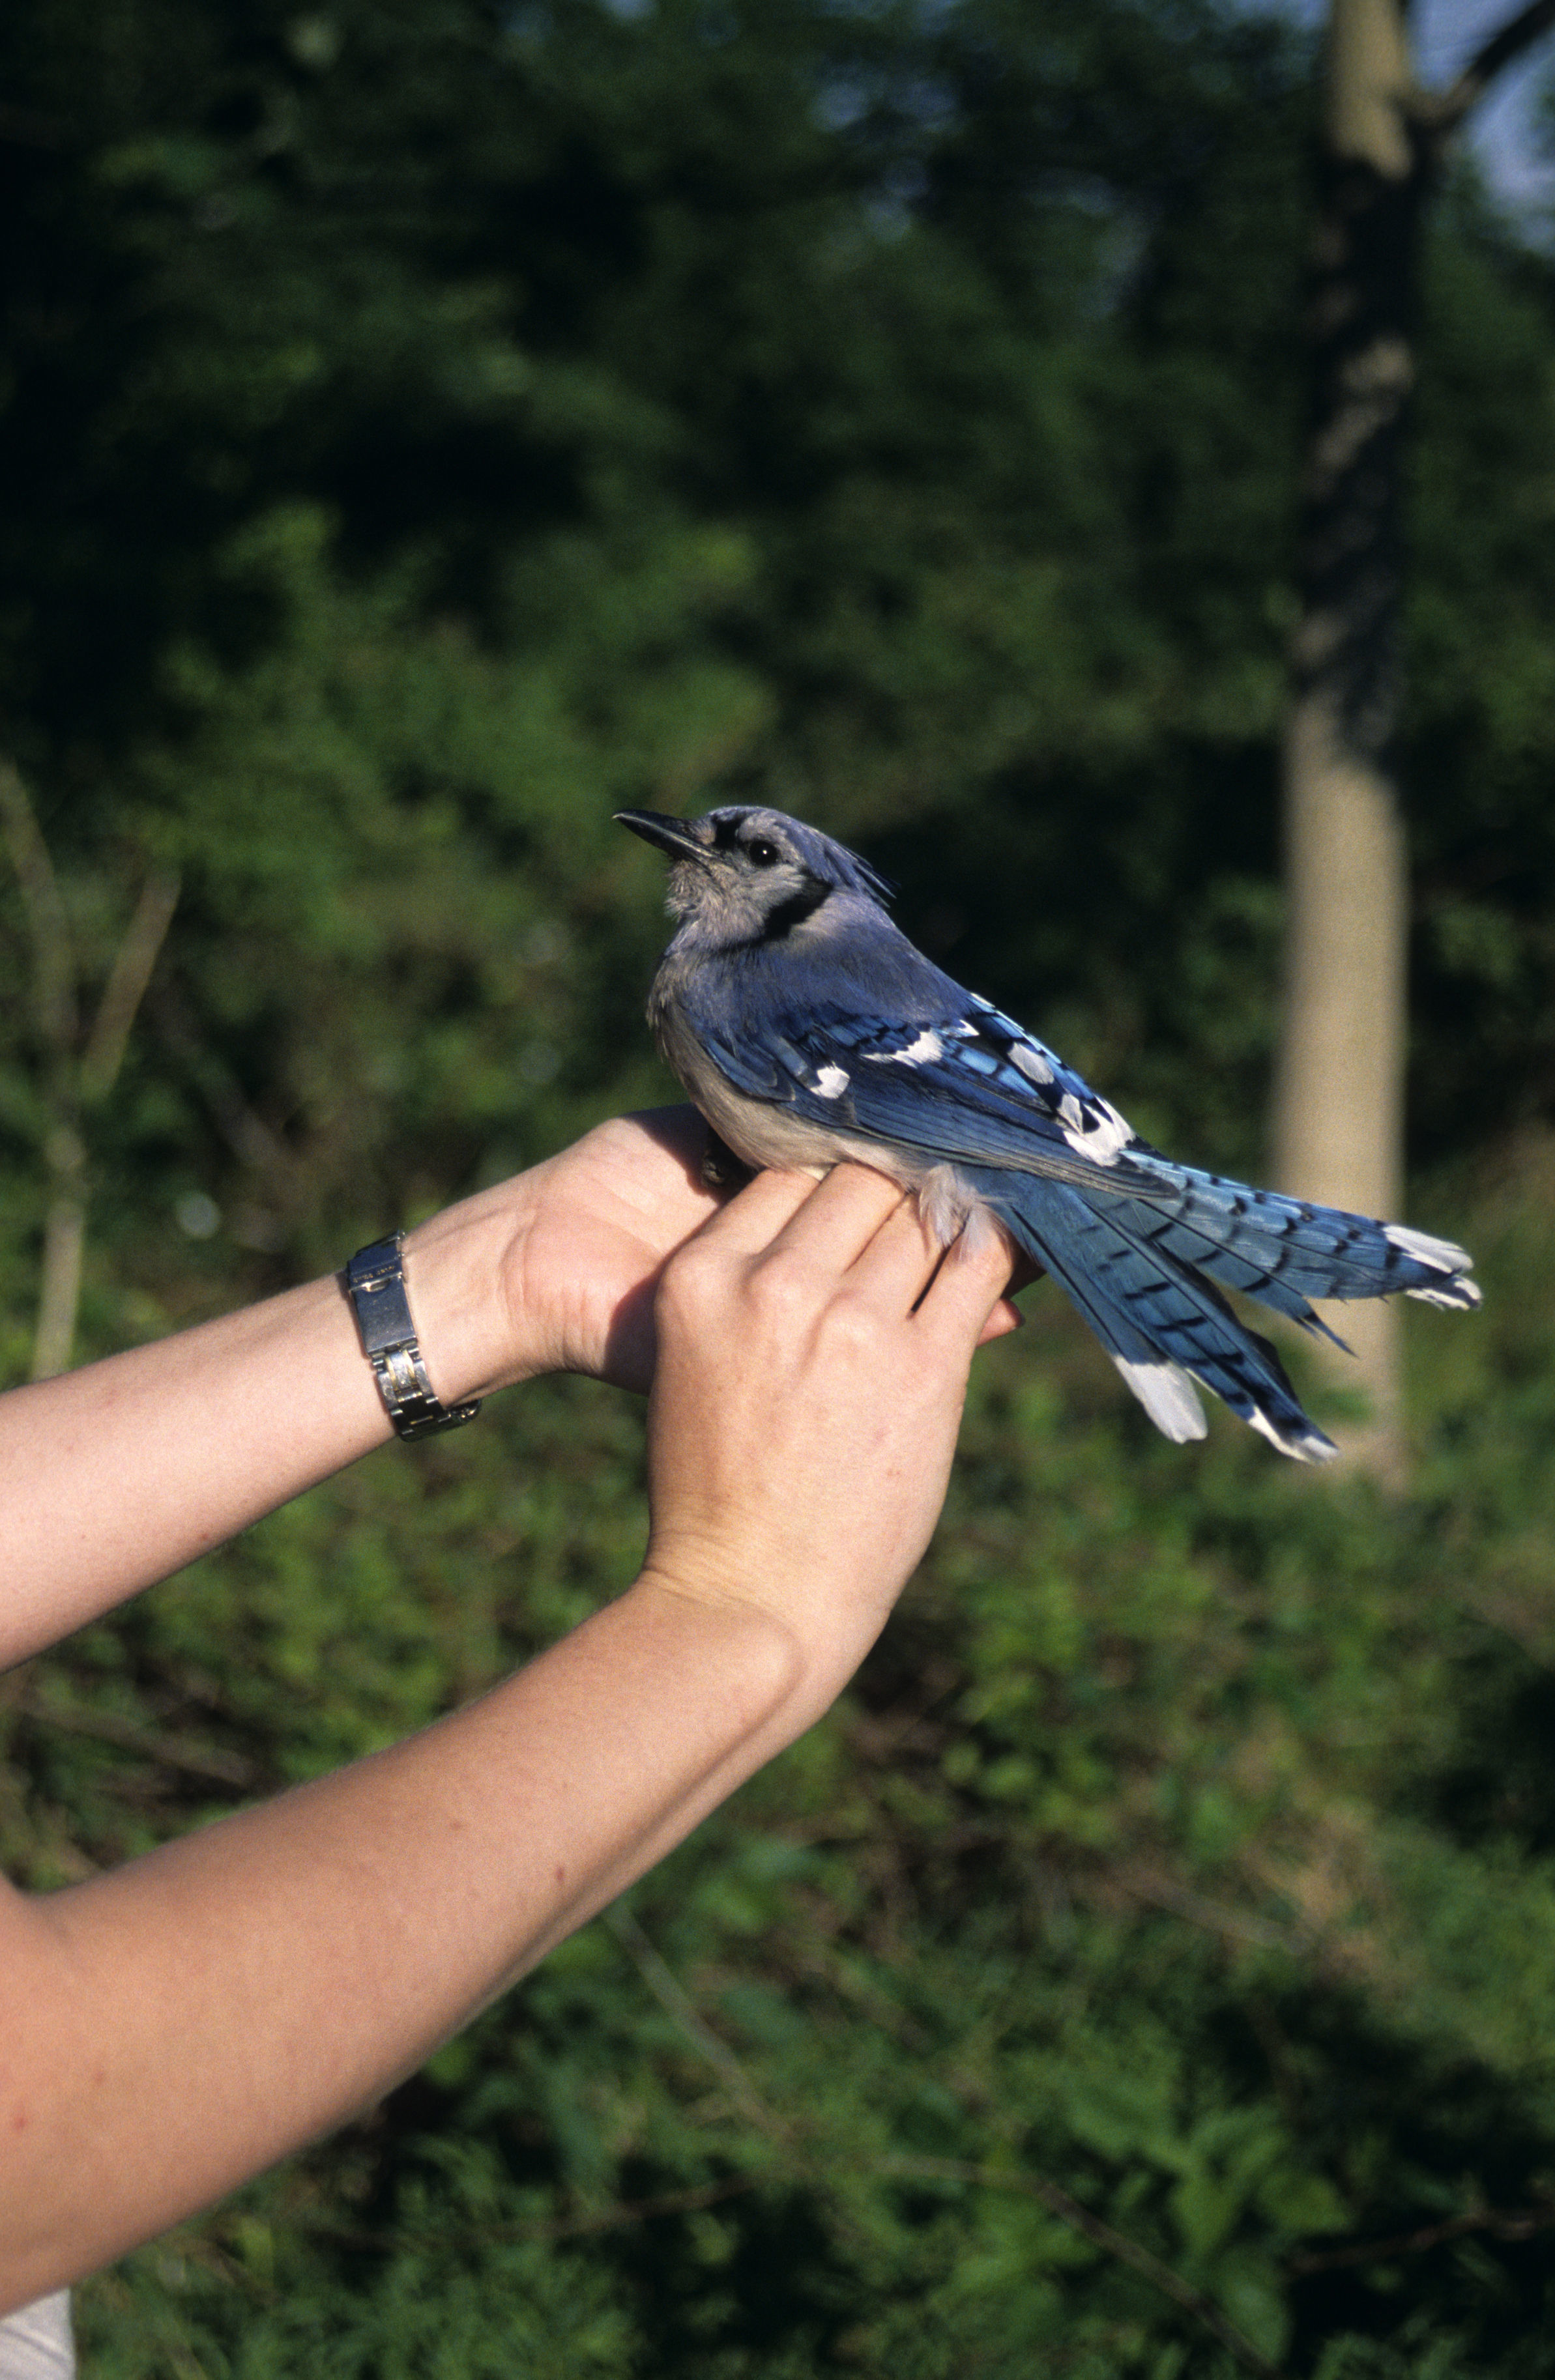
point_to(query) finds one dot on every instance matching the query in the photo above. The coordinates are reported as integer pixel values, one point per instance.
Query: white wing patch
(831, 1082)
(925, 1051)
(1032, 1063)
(1102, 1136)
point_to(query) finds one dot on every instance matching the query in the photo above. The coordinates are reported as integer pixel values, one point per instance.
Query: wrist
(814, 1656)
(772, 1685)
(462, 1286)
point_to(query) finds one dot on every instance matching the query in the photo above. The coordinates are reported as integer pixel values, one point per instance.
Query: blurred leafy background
(428, 426)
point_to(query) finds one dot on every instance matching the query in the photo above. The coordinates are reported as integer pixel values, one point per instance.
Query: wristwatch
(375, 1285)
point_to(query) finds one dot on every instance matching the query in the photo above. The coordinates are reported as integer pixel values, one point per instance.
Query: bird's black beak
(671, 834)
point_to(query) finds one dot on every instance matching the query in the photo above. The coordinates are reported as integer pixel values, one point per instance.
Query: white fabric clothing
(36, 2341)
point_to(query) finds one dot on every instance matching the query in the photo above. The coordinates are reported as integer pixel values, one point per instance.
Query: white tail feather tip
(1460, 1294)
(1167, 1394)
(1312, 1446)
(1445, 1255)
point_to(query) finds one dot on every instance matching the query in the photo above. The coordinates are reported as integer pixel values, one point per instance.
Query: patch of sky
(1512, 133)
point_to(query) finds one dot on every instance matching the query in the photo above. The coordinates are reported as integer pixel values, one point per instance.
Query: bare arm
(120, 1472)
(172, 2028)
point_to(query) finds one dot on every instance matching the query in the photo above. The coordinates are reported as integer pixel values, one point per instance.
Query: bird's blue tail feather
(1285, 1250)
(1161, 1321)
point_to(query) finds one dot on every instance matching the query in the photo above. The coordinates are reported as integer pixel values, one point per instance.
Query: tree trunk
(59, 1286)
(1339, 1106)
(75, 1079)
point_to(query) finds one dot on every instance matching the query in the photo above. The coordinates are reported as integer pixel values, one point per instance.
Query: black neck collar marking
(795, 910)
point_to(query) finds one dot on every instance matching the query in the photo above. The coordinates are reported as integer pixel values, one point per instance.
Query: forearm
(168, 2030)
(117, 1474)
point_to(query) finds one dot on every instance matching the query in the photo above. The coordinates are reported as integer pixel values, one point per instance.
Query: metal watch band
(375, 1285)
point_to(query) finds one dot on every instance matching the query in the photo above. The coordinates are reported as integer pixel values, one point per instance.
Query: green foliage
(1187, 1843)
(895, 415)
(429, 430)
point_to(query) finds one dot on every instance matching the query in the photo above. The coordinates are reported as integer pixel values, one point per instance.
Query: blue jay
(808, 1030)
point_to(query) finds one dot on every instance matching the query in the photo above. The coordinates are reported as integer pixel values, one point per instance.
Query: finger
(899, 1263)
(747, 1223)
(969, 1284)
(835, 1226)
(1006, 1317)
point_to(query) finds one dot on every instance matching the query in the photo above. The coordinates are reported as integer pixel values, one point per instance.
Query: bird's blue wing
(968, 1087)
(963, 1087)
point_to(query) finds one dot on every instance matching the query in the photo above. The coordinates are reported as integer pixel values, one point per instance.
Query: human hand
(556, 1269)
(814, 1345)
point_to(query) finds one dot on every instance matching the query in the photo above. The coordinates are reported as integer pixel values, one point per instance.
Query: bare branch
(125, 987)
(1231, 1924)
(1444, 110)
(59, 1293)
(53, 1005)
(564, 2227)
(247, 1135)
(678, 2006)
(208, 1762)
(70, 1083)
(53, 967)
(1502, 2223)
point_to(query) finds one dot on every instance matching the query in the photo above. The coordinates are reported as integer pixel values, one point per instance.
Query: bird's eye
(762, 854)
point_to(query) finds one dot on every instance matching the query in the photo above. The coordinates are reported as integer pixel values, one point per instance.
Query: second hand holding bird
(844, 1332)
